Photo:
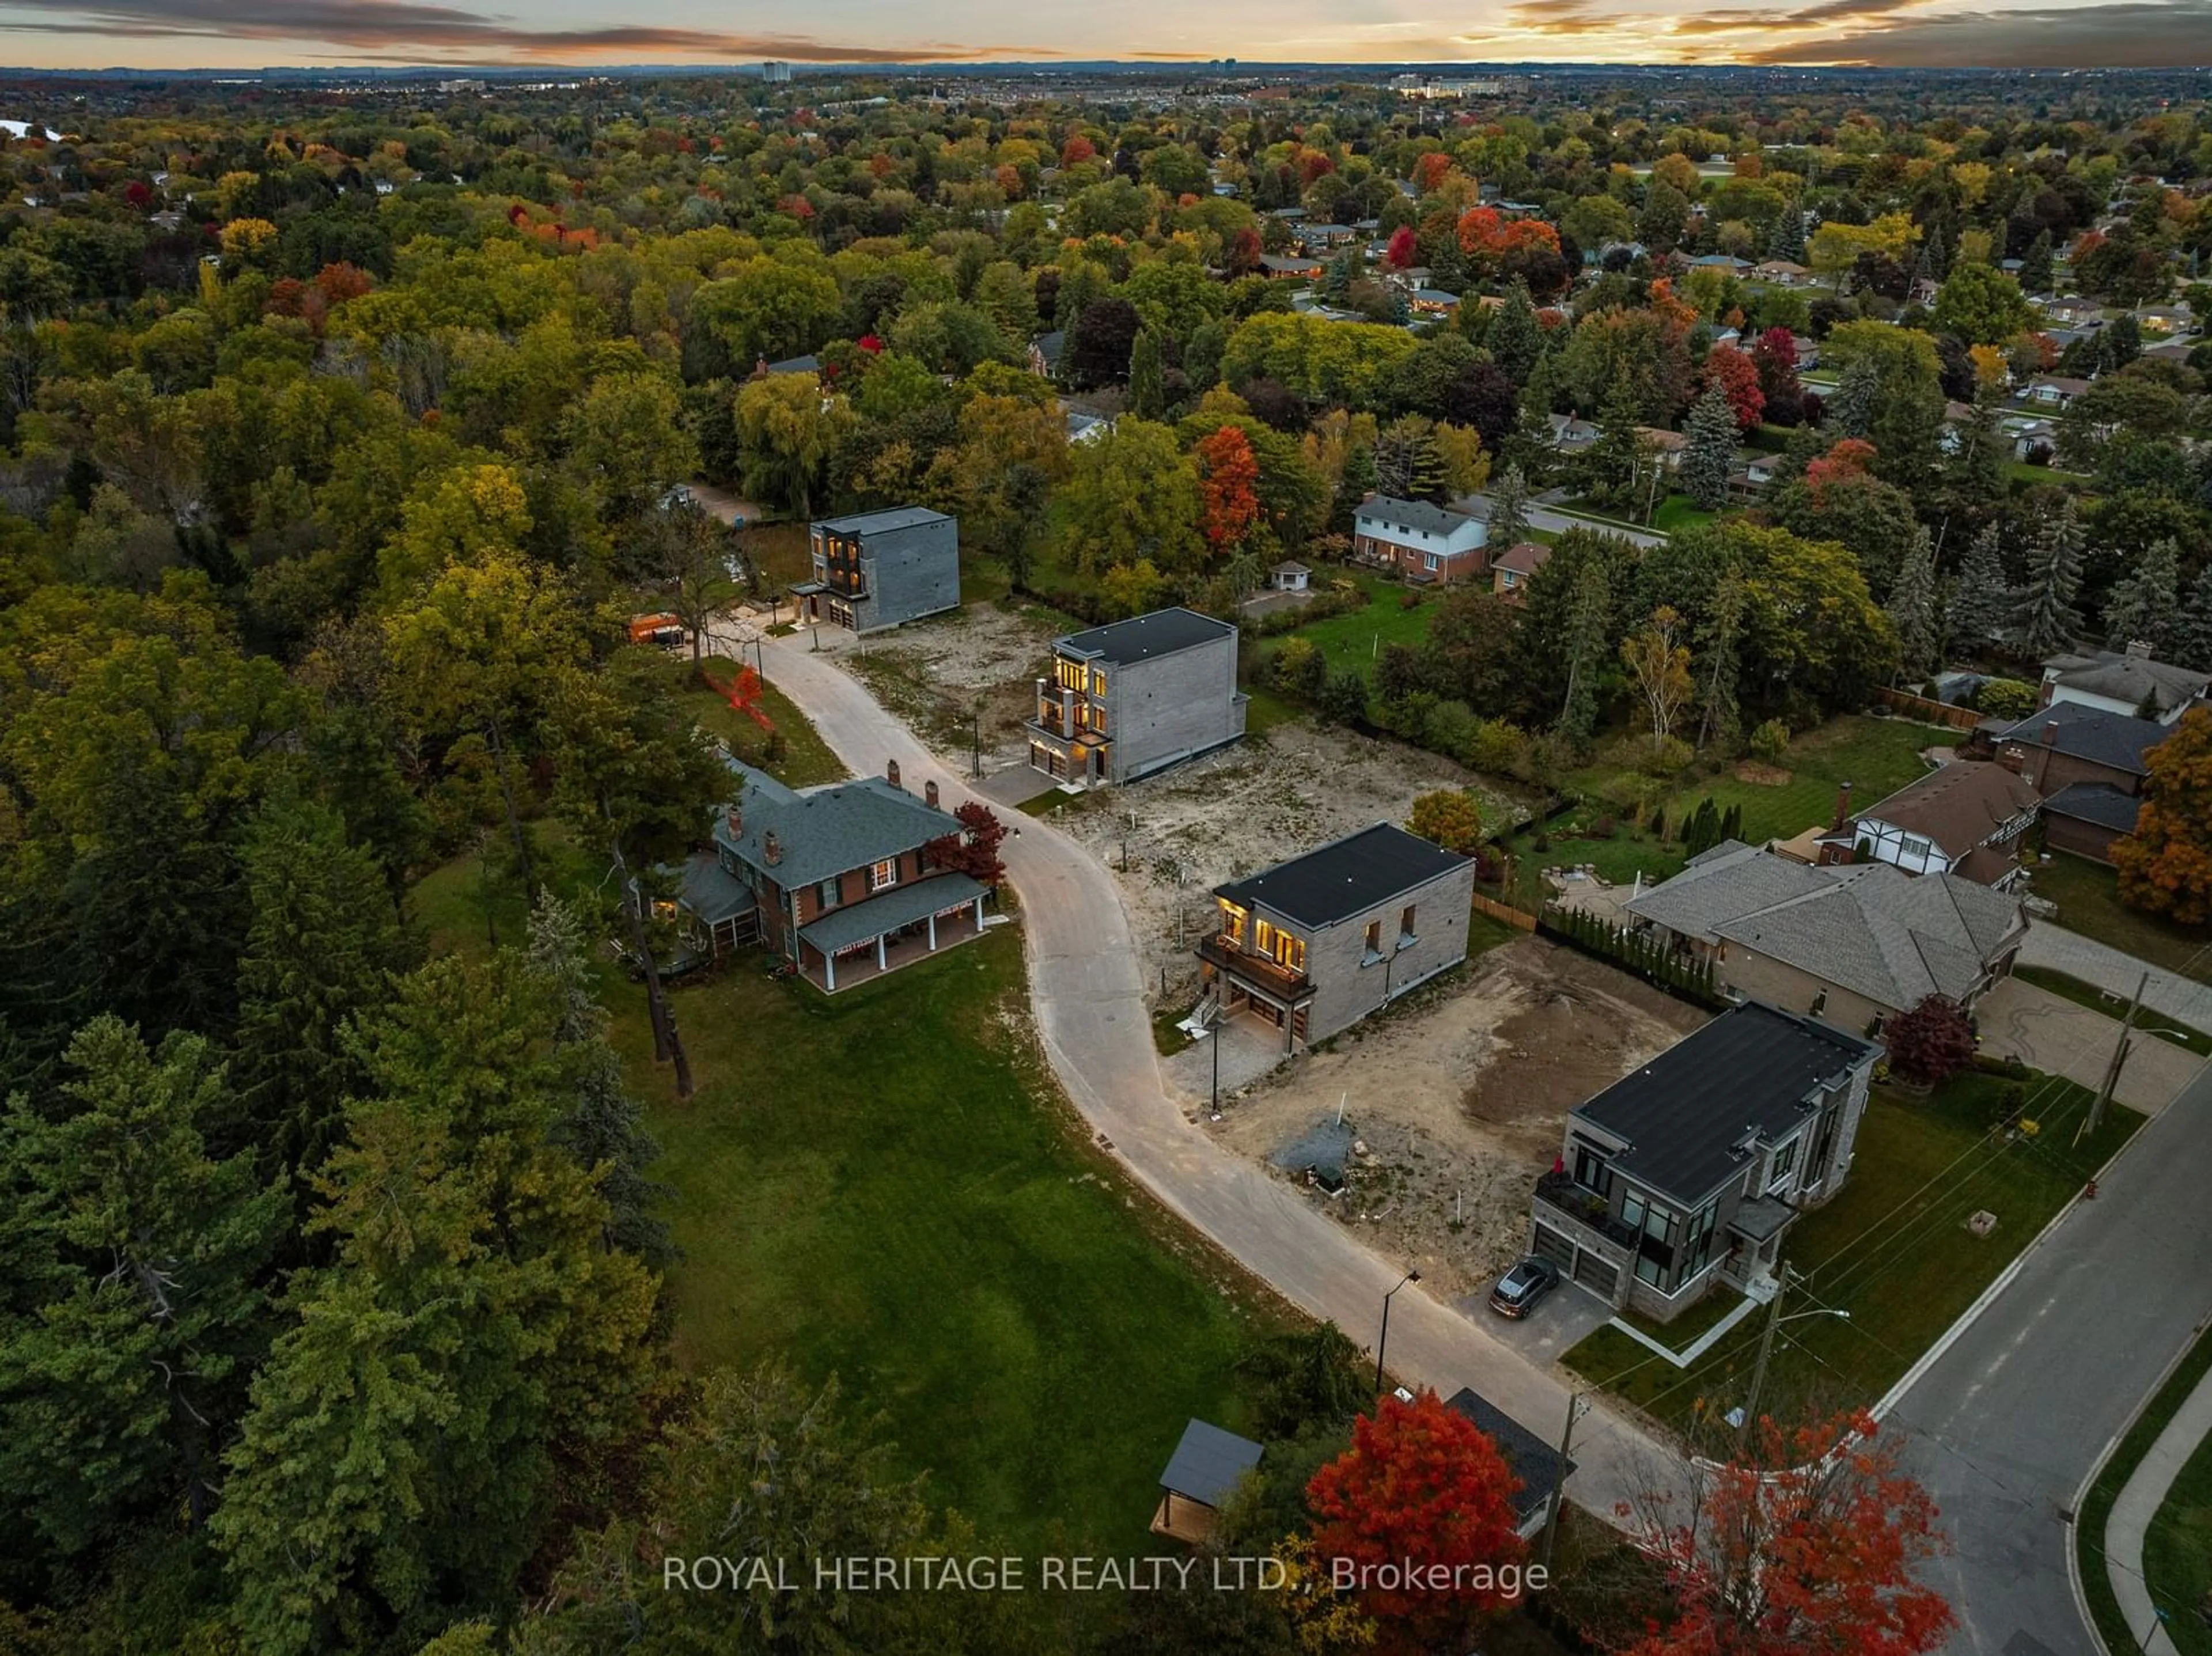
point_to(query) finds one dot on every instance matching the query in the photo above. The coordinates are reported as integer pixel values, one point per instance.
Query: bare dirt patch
(1267, 799)
(1460, 1098)
(978, 663)
(1763, 776)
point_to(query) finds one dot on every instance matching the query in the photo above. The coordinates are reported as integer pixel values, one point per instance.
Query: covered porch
(848, 946)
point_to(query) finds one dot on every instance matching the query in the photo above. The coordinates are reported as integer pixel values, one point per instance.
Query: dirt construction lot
(1460, 1098)
(1269, 797)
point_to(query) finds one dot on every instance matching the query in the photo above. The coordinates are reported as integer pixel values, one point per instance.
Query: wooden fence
(1929, 713)
(1519, 919)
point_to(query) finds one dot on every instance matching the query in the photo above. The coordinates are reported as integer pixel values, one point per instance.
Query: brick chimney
(2139, 648)
(2050, 732)
(771, 848)
(1843, 805)
(929, 794)
(890, 772)
(735, 815)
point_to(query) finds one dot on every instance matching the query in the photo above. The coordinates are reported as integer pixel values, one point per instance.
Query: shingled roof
(826, 830)
(2120, 742)
(1957, 806)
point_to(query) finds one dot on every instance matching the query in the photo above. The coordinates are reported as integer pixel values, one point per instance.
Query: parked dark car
(1520, 1288)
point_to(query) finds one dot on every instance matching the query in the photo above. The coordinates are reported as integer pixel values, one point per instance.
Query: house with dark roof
(1131, 698)
(2124, 681)
(1422, 542)
(1511, 570)
(874, 570)
(1689, 1172)
(1961, 818)
(1204, 1471)
(1852, 944)
(1313, 945)
(1536, 1464)
(1286, 267)
(2088, 764)
(837, 880)
(1044, 354)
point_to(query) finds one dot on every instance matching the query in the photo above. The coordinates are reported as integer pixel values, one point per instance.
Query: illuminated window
(1286, 950)
(1373, 940)
(1068, 674)
(884, 875)
(1097, 683)
(1232, 923)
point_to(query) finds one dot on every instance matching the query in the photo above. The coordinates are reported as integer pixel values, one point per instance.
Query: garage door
(1560, 1250)
(1597, 1274)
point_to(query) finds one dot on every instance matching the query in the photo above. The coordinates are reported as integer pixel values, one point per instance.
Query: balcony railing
(1270, 975)
(1558, 1191)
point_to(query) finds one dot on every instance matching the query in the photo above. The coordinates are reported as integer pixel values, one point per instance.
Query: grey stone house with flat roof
(1313, 945)
(1690, 1172)
(1127, 699)
(877, 569)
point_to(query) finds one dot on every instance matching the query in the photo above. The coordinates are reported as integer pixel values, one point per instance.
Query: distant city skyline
(580, 33)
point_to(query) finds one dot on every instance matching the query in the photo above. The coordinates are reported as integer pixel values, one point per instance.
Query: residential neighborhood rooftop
(1956, 805)
(2123, 676)
(1141, 638)
(1345, 877)
(2120, 741)
(2095, 801)
(1687, 1114)
(1417, 515)
(824, 831)
(1208, 1463)
(879, 523)
(1529, 1458)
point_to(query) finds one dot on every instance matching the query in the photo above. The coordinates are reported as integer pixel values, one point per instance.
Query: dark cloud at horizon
(381, 26)
(2118, 34)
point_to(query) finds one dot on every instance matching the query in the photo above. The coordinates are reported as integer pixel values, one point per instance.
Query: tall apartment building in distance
(776, 73)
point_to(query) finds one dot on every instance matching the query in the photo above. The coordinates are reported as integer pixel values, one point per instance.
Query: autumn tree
(1658, 664)
(1931, 1043)
(1227, 476)
(1736, 376)
(1421, 1483)
(973, 850)
(785, 429)
(1449, 816)
(1812, 1542)
(2166, 864)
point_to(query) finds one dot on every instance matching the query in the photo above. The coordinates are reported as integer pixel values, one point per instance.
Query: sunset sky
(214, 33)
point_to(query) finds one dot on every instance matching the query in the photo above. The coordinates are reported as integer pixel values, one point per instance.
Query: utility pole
(1765, 1349)
(2096, 1116)
(1575, 1404)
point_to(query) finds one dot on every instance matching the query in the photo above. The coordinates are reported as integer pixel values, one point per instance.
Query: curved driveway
(1085, 990)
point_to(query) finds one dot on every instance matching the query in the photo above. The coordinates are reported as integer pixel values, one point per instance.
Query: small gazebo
(1200, 1475)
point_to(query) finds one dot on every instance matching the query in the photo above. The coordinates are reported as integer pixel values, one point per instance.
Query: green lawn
(2097, 1000)
(780, 551)
(807, 759)
(2178, 1582)
(2088, 898)
(1679, 512)
(1876, 756)
(1891, 1249)
(1356, 638)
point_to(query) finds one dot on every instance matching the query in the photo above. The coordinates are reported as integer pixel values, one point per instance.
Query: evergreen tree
(1719, 645)
(1531, 446)
(1147, 390)
(319, 951)
(2191, 644)
(1786, 240)
(1338, 275)
(1509, 510)
(1710, 453)
(1732, 823)
(1983, 602)
(1590, 607)
(2046, 614)
(602, 1128)
(1850, 411)
(1912, 607)
(1616, 458)
(135, 1304)
(2119, 344)
(2142, 605)
(2035, 274)
(1516, 339)
(1406, 464)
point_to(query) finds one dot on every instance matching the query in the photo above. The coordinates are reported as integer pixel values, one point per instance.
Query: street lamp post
(1774, 1321)
(1382, 1340)
(1213, 1035)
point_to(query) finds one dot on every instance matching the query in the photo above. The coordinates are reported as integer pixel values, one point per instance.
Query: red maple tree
(1931, 1043)
(973, 851)
(1820, 1555)
(1245, 251)
(1228, 479)
(1737, 376)
(1404, 250)
(1851, 458)
(1077, 150)
(1431, 170)
(1422, 1489)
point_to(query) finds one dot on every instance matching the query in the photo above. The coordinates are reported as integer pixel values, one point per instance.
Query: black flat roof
(1140, 638)
(1751, 1072)
(1346, 878)
(1531, 1460)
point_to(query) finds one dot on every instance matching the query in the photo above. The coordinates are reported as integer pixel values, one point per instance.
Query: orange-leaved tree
(1229, 481)
(1416, 1520)
(2166, 864)
(1810, 1541)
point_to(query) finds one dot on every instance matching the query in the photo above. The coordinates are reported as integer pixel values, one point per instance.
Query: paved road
(1086, 990)
(2006, 1425)
(1542, 517)
(2092, 961)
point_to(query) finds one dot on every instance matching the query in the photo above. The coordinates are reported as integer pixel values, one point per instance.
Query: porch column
(829, 970)
(933, 934)
(979, 914)
(882, 964)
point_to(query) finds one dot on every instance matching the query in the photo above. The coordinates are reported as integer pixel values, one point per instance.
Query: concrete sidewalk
(2138, 1504)
(2051, 1034)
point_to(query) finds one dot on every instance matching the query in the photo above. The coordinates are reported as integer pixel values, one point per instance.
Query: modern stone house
(1960, 818)
(837, 880)
(878, 569)
(1313, 945)
(1690, 1171)
(1133, 697)
(1852, 945)
(1420, 542)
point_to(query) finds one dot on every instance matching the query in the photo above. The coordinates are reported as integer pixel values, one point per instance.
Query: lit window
(1097, 683)
(884, 875)
(1373, 940)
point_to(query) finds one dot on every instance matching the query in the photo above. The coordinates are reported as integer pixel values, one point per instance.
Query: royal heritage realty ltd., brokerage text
(1080, 1572)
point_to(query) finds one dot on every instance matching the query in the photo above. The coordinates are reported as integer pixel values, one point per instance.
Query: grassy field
(1891, 1249)
(1679, 512)
(1354, 640)
(807, 759)
(2088, 898)
(2088, 994)
(2179, 1542)
(781, 552)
